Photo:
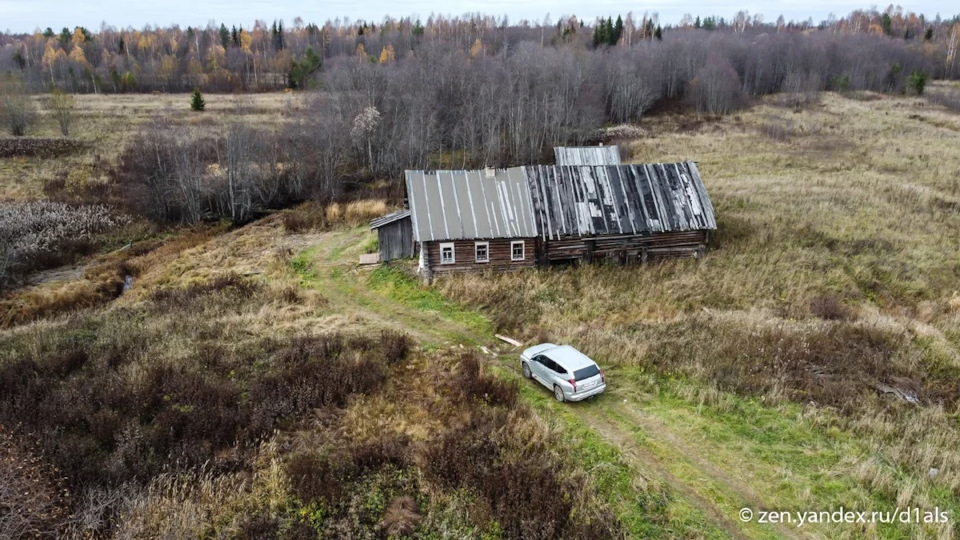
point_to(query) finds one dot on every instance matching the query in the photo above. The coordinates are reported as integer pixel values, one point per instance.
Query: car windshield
(586, 373)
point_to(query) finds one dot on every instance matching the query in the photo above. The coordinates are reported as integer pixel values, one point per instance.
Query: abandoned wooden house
(394, 235)
(587, 155)
(541, 215)
(626, 213)
(472, 220)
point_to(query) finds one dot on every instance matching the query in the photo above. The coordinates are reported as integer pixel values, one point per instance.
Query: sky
(27, 15)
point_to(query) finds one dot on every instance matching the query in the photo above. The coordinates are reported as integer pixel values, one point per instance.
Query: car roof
(566, 356)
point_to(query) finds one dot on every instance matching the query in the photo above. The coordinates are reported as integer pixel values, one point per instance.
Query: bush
(33, 504)
(17, 110)
(829, 307)
(917, 81)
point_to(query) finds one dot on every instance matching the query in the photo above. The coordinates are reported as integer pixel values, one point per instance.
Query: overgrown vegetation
(40, 235)
(155, 413)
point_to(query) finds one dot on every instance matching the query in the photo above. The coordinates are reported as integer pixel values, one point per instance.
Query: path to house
(648, 440)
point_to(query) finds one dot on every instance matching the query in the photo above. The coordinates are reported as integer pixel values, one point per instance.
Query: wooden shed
(472, 220)
(626, 213)
(394, 235)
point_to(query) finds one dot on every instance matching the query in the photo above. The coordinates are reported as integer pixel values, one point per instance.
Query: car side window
(559, 369)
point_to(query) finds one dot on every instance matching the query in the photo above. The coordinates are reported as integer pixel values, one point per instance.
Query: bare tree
(716, 89)
(17, 110)
(62, 107)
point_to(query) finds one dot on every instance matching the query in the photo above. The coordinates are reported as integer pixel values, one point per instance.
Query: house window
(483, 251)
(516, 250)
(446, 254)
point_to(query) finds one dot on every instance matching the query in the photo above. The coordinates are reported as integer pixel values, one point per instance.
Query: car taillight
(574, 383)
(603, 379)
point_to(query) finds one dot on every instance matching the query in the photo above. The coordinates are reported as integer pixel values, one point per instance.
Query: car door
(550, 369)
(538, 369)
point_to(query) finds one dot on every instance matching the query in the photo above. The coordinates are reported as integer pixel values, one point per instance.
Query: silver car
(569, 373)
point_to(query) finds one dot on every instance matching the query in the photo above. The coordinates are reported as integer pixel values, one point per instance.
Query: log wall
(626, 249)
(465, 256)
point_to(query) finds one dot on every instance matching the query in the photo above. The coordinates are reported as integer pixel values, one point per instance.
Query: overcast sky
(27, 15)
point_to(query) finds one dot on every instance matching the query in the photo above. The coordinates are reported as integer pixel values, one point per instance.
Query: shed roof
(389, 218)
(490, 203)
(587, 155)
(626, 199)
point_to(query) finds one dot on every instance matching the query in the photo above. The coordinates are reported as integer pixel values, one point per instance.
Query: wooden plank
(506, 339)
(369, 258)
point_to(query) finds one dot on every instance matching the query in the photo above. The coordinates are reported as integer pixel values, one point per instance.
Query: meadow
(254, 381)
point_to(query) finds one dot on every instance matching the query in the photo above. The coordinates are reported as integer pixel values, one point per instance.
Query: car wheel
(526, 370)
(558, 393)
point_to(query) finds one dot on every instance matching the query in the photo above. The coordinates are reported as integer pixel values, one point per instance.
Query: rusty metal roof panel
(614, 200)
(376, 223)
(451, 205)
(587, 155)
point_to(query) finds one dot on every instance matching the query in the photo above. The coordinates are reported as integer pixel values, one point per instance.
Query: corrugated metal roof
(449, 205)
(626, 199)
(389, 218)
(587, 155)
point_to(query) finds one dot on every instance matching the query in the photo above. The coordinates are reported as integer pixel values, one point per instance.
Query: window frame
(523, 250)
(476, 257)
(453, 252)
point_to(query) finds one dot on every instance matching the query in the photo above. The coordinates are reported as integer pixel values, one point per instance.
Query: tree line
(266, 57)
(449, 108)
(469, 96)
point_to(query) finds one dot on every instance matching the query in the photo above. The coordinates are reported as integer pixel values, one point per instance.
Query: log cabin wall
(499, 256)
(626, 249)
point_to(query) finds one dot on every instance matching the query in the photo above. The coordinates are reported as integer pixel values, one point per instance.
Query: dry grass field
(106, 123)
(760, 376)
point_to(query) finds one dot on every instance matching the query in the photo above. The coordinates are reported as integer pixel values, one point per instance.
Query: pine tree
(224, 36)
(196, 101)
(696, 23)
(886, 23)
(617, 31)
(658, 33)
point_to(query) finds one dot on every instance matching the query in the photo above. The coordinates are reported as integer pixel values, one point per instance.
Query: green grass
(303, 266)
(409, 291)
(645, 511)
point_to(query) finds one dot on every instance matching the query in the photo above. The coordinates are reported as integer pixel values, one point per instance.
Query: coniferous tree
(196, 101)
(224, 36)
(617, 31)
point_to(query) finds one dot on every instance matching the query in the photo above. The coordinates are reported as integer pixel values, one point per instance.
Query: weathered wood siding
(465, 256)
(625, 249)
(396, 240)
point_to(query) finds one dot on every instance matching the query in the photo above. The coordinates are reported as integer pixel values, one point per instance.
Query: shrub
(401, 518)
(917, 82)
(17, 110)
(827, 306)
(521, 484)
(395, 346)
(33, 504)
(482, 387)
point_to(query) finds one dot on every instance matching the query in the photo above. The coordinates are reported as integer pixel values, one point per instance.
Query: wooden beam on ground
(511, 341)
